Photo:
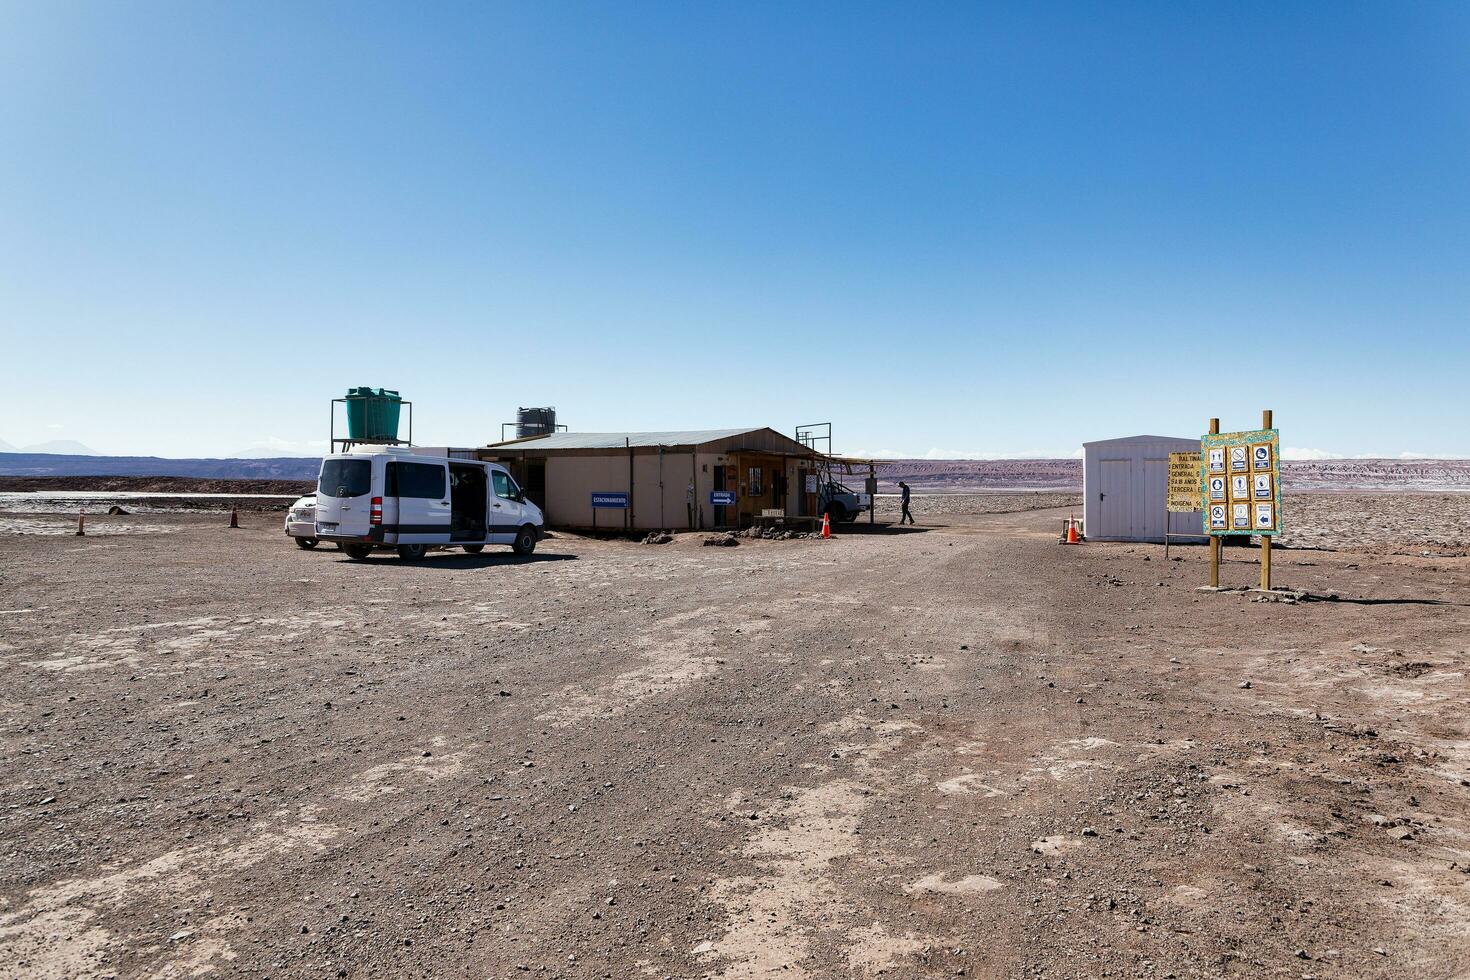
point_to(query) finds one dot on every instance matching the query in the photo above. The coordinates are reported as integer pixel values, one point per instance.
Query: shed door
(1113, 499)
(1154, 521)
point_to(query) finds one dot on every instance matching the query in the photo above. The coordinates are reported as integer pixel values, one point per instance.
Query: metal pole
(1266, 421)
(1214, 538)
(628, 516)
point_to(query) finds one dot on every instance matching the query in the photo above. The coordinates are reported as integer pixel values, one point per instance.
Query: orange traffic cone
(826, 525)
(1072, 531)
(234, 517)
(81, 524)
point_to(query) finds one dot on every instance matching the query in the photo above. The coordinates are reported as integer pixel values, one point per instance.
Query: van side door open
(469, 518)
(422, 490)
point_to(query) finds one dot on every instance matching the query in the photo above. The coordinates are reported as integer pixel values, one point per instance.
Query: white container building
(1125, 485)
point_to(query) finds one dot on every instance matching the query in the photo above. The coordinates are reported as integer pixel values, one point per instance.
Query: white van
(392, 497)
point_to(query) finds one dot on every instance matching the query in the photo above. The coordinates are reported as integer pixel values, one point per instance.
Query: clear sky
(950, 229)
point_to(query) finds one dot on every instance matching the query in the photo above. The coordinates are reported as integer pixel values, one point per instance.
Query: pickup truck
(841, 504)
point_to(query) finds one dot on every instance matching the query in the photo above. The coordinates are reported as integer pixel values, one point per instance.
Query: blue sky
(950, 229)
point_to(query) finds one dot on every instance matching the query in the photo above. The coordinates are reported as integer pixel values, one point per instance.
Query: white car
(392, 497)
(301, 522)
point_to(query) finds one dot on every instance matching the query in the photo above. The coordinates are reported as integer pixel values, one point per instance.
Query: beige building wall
(573, 477)
(655, 510)
(570, 483)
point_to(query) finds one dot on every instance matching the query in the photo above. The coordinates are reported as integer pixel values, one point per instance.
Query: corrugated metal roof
(617, 440)
(1127, 439)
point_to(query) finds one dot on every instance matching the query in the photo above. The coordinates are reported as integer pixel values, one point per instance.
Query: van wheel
(473, 549)
(412, 552)
(836, 513)
(357, 552)
(525, 541)
(306, 543)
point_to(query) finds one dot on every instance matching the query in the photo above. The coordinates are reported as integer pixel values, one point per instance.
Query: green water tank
(372, 413)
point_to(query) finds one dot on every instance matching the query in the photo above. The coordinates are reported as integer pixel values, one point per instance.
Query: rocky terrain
(1407, 523)
(153, 484)
(957, 750)
(290, 468)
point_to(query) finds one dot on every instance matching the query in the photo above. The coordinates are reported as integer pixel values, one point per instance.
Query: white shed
(1125, 483)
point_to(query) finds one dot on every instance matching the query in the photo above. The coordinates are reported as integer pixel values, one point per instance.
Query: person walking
(906, 513)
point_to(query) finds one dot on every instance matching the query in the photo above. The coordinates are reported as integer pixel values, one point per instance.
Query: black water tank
(535, 421)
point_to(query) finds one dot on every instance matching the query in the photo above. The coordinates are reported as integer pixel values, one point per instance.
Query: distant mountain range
(924, 475)
(270, 454)
(64, 447)
(972, 475)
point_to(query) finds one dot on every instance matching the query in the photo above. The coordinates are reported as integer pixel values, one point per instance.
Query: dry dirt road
(961, 751)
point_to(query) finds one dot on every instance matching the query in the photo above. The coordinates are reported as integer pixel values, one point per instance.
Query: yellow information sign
(1184, 483)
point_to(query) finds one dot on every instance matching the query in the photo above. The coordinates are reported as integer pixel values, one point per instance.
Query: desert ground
(957, 750)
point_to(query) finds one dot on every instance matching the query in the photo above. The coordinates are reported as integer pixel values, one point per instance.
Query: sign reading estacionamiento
(1183, 483)
(610, 500)
(1238, 480)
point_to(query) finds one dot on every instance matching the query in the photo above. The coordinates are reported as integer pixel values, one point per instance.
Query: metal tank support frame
(533, 422)
(821, 433)
(348, 443)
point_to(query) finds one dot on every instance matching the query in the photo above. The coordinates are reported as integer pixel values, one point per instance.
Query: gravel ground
(939, 505)
(956, 751)
(1385, 522)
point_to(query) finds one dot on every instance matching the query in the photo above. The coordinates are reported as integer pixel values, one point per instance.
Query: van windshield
(345, 477)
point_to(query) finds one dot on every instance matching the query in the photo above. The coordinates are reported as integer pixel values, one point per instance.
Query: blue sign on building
(722, 498)
(611, 500)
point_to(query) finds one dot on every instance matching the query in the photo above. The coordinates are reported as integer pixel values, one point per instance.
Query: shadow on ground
(882, 527)
(438, 560)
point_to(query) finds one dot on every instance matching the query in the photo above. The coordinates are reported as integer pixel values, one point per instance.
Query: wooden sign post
(1214, 541)
(1240, 487)
(1266, 420)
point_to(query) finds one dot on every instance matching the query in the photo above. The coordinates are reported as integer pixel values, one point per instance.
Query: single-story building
(1125, 489)
(708, 478)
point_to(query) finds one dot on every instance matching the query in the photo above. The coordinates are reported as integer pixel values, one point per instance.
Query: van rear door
(344, 496)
